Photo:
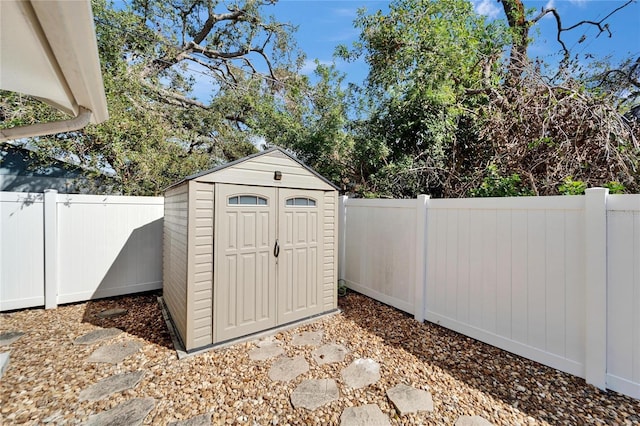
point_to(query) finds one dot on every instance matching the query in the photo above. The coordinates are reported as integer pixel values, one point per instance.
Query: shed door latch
(276, 249)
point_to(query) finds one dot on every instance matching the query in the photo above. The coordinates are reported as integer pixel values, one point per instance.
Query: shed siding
(175, 255)
(259, 171)
(330, 272)
(201, 227)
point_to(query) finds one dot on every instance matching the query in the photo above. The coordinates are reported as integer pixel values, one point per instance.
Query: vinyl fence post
(421, 257)
(342, 234)
(596, 286)
(50, 248)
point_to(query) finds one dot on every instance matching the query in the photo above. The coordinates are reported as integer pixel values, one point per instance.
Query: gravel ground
(47, 372)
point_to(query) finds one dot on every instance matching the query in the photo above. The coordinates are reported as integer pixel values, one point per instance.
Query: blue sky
(323, 24)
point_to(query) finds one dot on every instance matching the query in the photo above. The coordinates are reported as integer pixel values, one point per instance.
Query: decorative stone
(308, 338)
(130, 413)
(362, 372)
(58, 416)
(111, 385)
(201, 420)
(472, 421)
(286, 369)
(9, 337)
(266, 349)
(115, 353)
(365, 415)
(97, 335)
(311, 394)
(112, 313)
(4, 362)
(410, 400)
(329, 353)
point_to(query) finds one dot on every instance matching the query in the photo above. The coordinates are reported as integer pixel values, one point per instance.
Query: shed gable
(260, 169)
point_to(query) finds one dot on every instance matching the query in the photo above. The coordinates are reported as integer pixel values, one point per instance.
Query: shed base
(182, 353)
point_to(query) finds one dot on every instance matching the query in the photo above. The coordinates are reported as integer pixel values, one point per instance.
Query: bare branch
(602, 27)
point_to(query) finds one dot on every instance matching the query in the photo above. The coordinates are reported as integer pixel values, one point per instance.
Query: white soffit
(48, 50)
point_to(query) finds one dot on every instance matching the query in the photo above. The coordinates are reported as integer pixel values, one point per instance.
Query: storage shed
(249, 246)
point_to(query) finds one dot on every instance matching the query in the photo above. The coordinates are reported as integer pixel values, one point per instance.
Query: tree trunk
(514, 10)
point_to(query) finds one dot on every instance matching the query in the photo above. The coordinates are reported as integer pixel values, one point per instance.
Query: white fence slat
(475, 268)
(432, 276)
(50, 219)
(450, 253)
(489, 271)
(519, 277)
(463, 275)
(574, 275)
(503, 273)
(536, 285)
(555, 283)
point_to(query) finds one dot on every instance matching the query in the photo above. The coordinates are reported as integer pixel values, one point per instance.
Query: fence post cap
(596, 190)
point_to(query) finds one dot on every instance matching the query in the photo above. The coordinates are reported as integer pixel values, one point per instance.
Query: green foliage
(311, 121)
(615, 187)
(572, 187)
(496, 185)
(424, 57)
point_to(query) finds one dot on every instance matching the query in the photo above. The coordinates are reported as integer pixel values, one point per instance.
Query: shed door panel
(245, 293)
(299, 264)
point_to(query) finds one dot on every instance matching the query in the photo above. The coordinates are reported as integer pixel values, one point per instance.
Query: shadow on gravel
(143, 318)
(541, 392)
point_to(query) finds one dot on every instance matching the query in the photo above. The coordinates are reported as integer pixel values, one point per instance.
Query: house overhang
(48, 50)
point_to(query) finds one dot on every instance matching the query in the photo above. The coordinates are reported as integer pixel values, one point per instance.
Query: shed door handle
(276, 249)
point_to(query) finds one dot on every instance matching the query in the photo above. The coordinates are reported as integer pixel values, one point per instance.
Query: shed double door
(267, 258)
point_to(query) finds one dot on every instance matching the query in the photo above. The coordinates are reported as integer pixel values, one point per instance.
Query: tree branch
(602, 27)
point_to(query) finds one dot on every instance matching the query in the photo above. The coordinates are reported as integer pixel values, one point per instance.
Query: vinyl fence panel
(553, 279)
(499, 271)
(108, 246)
(21, 250)
(623, 294)
(380, 247)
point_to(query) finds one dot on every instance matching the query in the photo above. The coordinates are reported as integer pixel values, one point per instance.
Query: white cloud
(487, 8)
(309, 66)
(345, 12)
(578, 2)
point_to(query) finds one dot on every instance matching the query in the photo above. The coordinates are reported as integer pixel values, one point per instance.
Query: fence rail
(61, 248)
(553, 279)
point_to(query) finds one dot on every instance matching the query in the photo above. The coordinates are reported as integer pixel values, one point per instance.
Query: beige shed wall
(200, 261)
(174, 266)
(330, 267)
(259, 171)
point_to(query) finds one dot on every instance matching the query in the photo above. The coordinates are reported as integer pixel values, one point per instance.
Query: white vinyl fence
(553, 279)
(61, 248)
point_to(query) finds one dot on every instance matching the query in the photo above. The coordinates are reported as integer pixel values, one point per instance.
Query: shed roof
(250, 157)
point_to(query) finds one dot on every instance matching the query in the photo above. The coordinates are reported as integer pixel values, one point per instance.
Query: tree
(453, 115)
(430, 64)
(163, 126)
(311, 121)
